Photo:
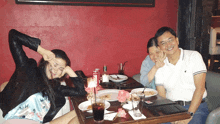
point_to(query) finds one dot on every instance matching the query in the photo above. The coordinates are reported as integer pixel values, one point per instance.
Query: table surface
(149, 113)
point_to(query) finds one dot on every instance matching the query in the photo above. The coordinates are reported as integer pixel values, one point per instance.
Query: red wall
(91, 35)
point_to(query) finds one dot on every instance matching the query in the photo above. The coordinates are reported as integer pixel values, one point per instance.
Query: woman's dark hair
(151, 42)
(42, 67)
(164, 29)
(61, 54)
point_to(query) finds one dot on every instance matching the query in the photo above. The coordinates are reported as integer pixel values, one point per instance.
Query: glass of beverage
(98, 108)
(121, 69)
(135, 105)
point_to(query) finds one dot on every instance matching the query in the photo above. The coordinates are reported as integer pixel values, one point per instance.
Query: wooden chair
(214, 49)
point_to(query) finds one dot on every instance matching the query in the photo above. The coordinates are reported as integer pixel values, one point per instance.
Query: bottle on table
(105, 75)
(98, 75)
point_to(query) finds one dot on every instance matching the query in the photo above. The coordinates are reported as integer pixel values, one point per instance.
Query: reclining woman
(33, 93)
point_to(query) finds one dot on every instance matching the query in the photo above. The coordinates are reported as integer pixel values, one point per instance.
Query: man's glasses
(164, 43)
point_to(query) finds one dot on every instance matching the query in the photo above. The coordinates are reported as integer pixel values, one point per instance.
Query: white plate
(112, 92)
(84, 105)
(146, 89)
(119, 79)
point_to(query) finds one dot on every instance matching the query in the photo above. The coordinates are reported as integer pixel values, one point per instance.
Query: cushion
(213, 90)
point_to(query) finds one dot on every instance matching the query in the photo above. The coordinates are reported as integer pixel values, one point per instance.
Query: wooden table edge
(78, 113)
(160, 119)
(152, 120)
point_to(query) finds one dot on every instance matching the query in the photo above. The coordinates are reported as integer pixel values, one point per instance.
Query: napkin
(110, 116)
(136, 118)
(106, 111)
(127, 106)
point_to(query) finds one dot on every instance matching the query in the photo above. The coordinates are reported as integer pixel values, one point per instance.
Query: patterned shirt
(34, 108)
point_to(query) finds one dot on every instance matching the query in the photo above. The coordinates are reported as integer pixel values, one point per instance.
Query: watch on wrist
(191, 113)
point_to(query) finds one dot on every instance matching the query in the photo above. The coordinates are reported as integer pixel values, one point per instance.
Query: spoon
(143, 93)
(117, 77)
(144, 89)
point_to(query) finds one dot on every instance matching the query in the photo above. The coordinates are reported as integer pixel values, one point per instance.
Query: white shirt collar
(180, 59)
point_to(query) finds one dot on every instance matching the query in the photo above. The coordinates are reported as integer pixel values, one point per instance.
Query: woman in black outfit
(30, 81)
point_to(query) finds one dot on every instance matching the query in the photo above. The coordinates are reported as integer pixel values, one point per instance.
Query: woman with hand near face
(151, 64)
(33, 92)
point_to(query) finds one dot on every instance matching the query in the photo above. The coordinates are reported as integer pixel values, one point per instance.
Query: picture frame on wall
(124, 3)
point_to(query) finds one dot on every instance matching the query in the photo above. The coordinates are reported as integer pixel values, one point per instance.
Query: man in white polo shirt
(182, 78)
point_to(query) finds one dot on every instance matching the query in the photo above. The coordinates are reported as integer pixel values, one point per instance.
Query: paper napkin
(110, 117)
(136, 118)
(127, 106)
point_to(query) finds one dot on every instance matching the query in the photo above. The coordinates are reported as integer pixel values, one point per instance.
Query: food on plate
(106, 97)
(149, 93)
(146, 93)
(134, 97)
(90, 96)
(89, 107)
(139, 93)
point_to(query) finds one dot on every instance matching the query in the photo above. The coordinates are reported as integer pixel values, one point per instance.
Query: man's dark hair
(164, 29)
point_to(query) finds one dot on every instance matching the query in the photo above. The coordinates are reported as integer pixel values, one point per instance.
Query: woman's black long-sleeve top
(27, 79)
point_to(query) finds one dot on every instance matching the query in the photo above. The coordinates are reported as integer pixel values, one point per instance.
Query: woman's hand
(159, 64)
(68, 70)
(47, 54)
(163, 56)
(160, 61)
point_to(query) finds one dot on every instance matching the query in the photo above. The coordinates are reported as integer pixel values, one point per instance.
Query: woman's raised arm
(16, 41)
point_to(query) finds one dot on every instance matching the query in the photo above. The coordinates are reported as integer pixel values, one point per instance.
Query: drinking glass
(135, 105)
(121, 69)
(98, 108)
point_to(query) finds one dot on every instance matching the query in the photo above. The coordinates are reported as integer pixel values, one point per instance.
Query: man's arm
(161, 91)
(199, 81)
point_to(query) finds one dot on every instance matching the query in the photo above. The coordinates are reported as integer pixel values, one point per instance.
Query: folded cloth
(110, 117)
(136, 118)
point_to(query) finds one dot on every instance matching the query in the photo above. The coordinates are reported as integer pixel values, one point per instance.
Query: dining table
(159, 111)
